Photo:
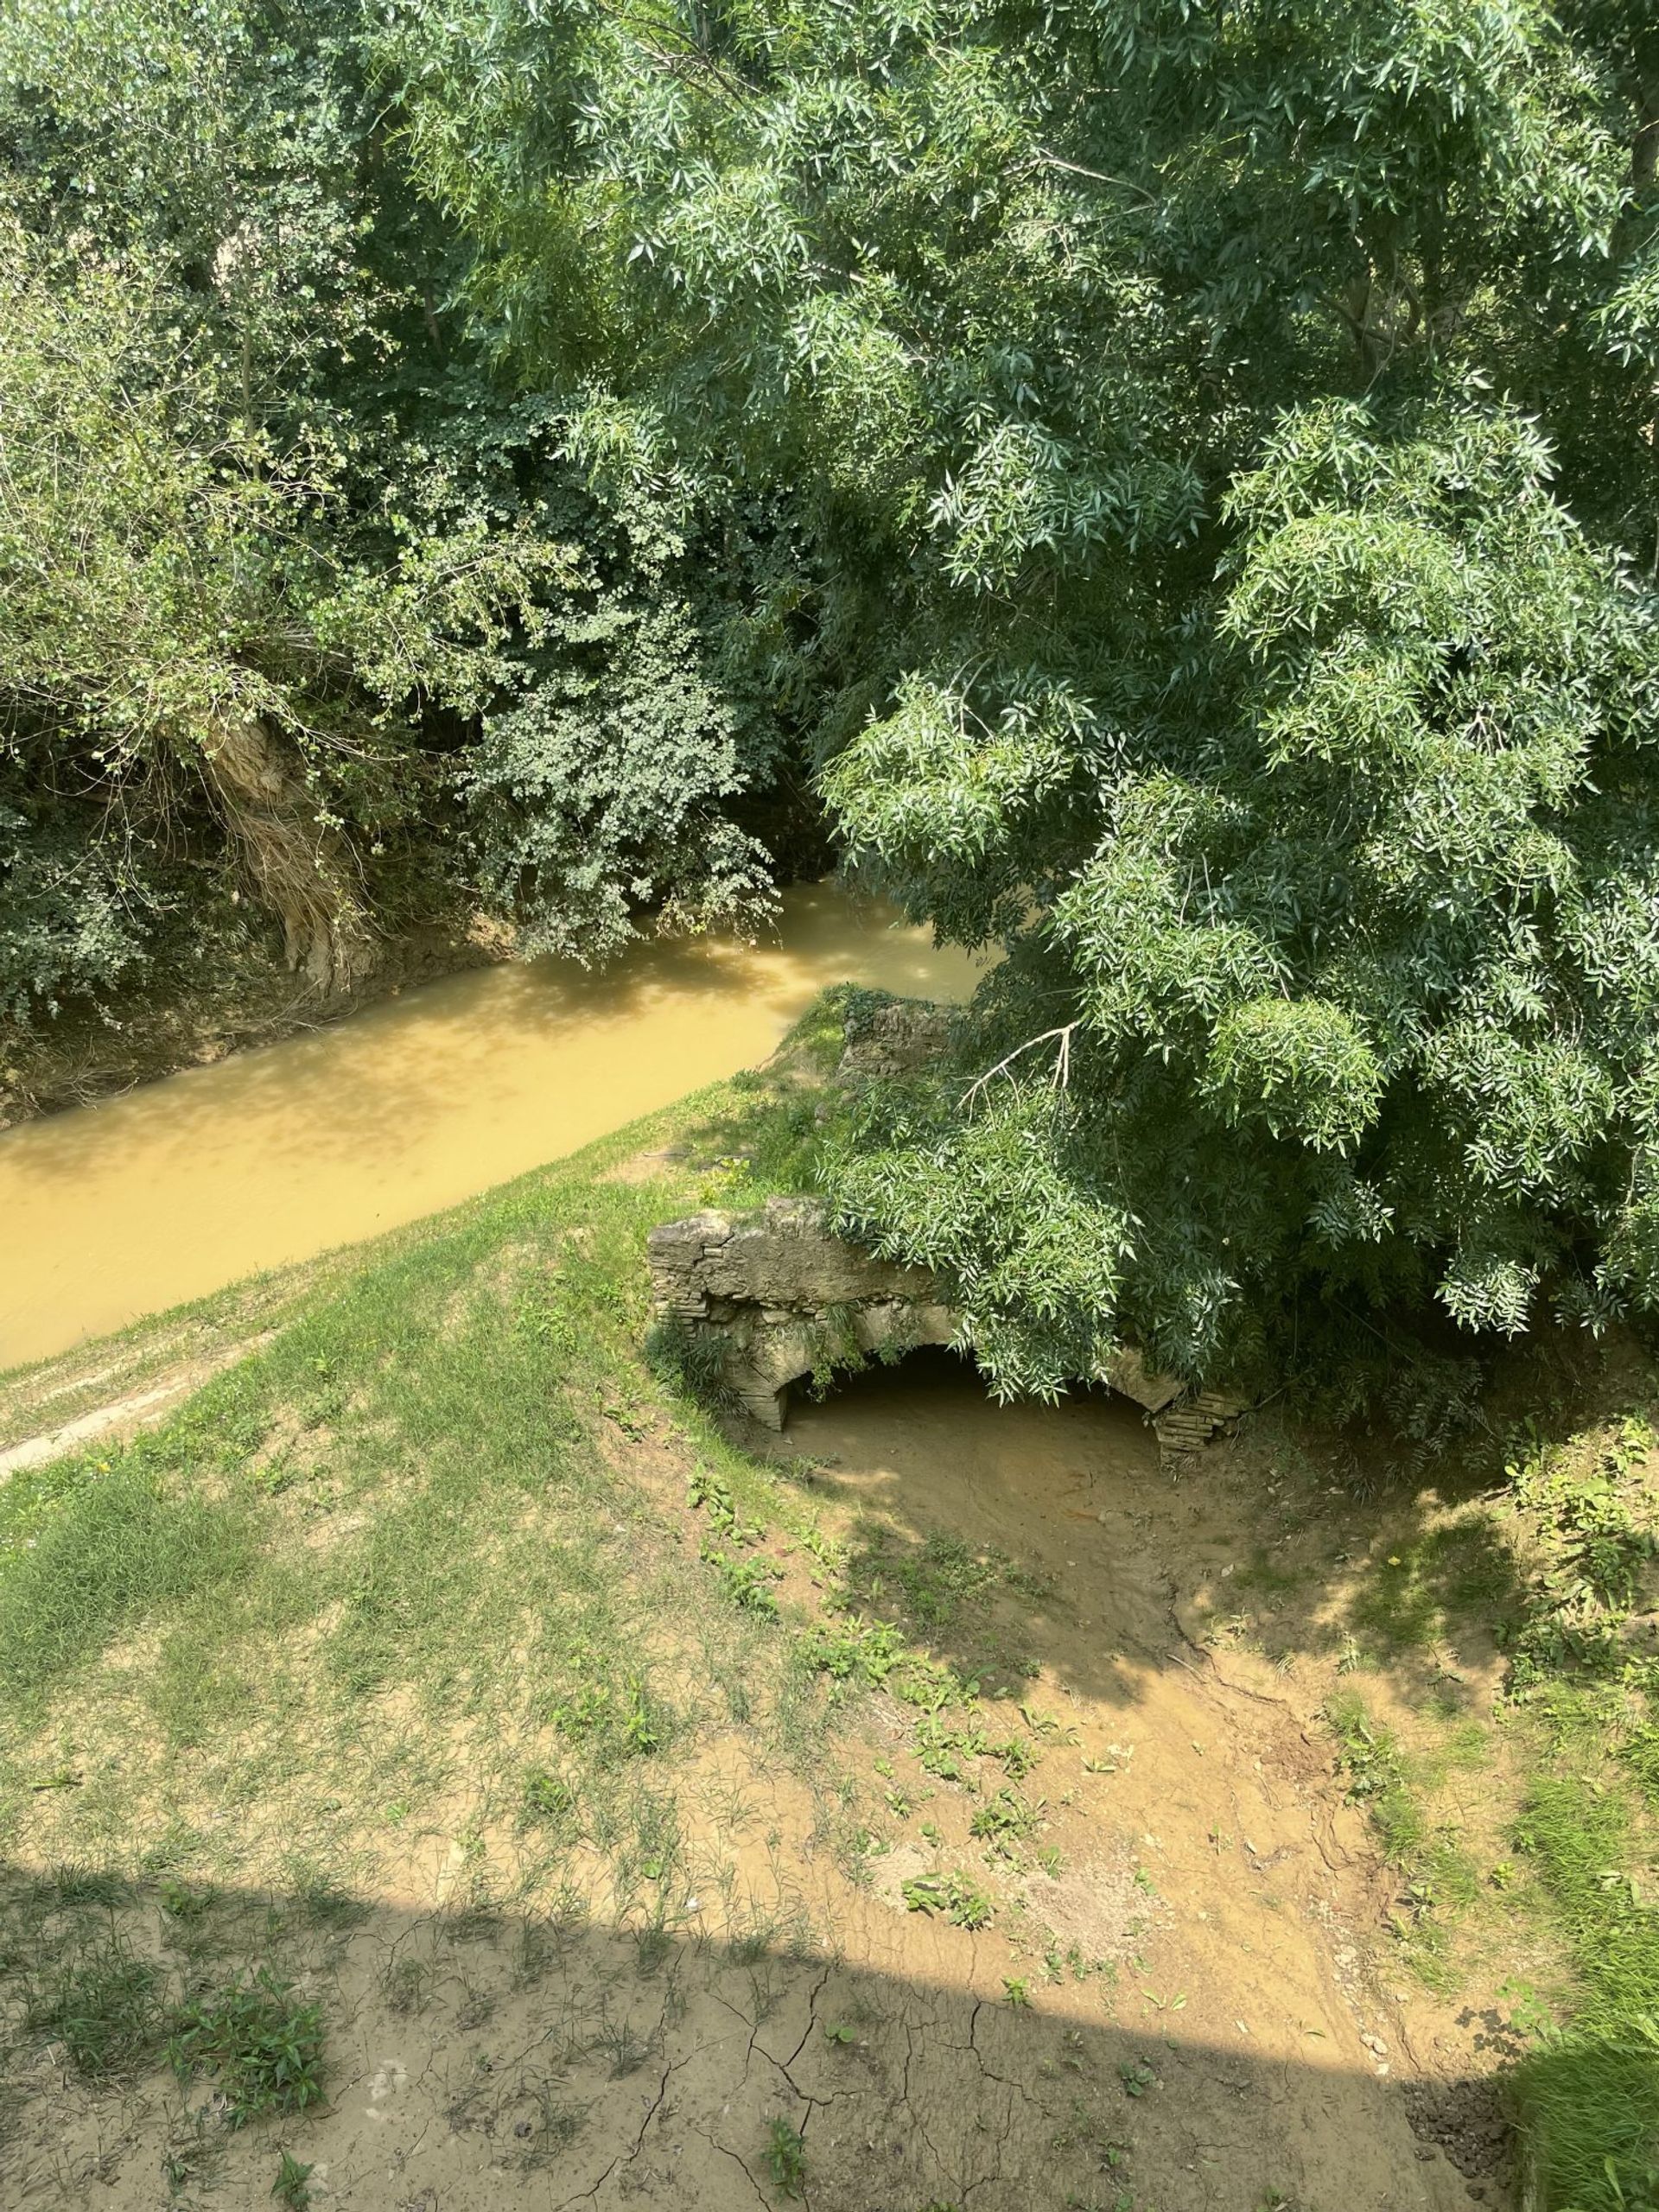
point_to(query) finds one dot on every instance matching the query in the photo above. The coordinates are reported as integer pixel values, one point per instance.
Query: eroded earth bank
(448, 1767)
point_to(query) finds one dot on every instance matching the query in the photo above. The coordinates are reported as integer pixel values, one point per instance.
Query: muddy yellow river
(184, 1186)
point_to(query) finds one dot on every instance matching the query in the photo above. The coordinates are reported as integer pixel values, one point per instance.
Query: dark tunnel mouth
(859, 1385)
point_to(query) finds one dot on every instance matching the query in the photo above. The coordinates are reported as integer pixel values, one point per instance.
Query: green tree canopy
(301, 596)
(1181, 480)
(1218, 446)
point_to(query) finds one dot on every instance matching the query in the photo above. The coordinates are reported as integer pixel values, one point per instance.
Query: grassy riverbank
(440, 1680)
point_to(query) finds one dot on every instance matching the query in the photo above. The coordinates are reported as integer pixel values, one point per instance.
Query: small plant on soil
(584, 1713)
(640, 1733)
(954, 1895)
(746, 1582)
(858, 1650)
(786, 2158)
(1136, 2076)
(407, 1984)
(194, 2148)
(625, 1725)
(1017, 1756)
(182, 1901)
(1046, 1725)
(547, 1797)
(708, 1490)
(289, 2186)
(943, 1741)
(1005, 1818)
(262, 2048)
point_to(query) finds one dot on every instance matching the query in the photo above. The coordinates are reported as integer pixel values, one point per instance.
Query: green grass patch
(1414, 1597)
(1439, 1881)
(105, 2006)
(1587, 2105)
(1560, 1573)
(99, 1549)
(1588, 2097)
(257, 2042)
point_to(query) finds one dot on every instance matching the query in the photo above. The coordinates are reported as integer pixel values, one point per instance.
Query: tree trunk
(1644, 146)
(298, 867)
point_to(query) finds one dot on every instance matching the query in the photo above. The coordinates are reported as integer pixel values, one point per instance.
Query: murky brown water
(184, 1186)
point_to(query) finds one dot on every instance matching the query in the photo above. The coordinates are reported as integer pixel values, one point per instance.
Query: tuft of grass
(105, 2006)
(612, 1721)
(73, 1884)
(87, 1555)
(691, 1361)
(261, 2045)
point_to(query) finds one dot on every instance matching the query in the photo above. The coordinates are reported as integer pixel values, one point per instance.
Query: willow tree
(1217, 452)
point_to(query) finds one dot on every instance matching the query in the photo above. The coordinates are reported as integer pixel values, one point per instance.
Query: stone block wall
(781, 1297)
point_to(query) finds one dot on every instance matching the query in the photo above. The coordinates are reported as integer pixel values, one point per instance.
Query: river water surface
(178, 1188)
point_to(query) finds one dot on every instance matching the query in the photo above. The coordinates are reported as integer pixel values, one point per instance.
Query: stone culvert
(776, 1298)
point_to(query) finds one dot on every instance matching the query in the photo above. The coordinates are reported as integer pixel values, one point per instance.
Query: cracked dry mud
(1242, 2051)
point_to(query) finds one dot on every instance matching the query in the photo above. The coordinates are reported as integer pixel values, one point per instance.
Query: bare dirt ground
(1184, 2002)
(582, 2079)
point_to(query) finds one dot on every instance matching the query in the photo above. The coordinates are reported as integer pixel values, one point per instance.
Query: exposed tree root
(299, 867)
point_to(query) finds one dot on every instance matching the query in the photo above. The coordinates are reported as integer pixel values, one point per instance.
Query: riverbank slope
(444, 1764)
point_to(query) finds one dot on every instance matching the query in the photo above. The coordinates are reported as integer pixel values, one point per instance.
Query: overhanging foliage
(1225, 440)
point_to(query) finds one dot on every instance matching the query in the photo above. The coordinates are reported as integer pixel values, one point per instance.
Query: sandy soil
(1237, 2045)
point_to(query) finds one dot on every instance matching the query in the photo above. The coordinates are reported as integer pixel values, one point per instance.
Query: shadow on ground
(1094, 1532)
(475, 2060)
